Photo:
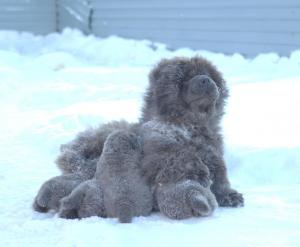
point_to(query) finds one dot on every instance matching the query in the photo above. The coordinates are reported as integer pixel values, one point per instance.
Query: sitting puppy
(125, 191)
(118, 189)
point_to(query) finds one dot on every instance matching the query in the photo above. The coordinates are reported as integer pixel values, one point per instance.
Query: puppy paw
(230, 199)
(53, 190)
(48, 197)
(85, 201)
(67, 210)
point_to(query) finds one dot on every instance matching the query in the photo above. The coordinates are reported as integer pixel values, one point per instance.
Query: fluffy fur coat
(180, 160)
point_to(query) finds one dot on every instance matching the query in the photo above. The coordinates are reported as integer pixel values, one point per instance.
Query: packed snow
(53, 86)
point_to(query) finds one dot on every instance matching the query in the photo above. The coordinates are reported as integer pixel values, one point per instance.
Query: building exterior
(37, 16)
(247, 27)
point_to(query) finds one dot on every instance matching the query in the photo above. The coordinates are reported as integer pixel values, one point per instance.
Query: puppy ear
(162, 72)
(166, 80)
(168, 70)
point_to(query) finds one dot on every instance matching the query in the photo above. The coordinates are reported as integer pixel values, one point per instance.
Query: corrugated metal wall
(37, 16)
(248, 27)
(75, 14)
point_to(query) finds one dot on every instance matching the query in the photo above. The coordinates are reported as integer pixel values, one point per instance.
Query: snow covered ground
(54, 86)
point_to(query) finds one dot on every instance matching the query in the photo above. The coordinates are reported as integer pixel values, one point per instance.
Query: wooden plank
(278, 26)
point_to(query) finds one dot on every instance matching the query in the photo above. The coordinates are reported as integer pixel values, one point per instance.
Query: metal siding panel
(28, 15)
(249, 50)
(36, 29)
(67, 19)
(41, 17)
(18, 2)
(246, 49)
(222, 26)
(242, 37)
(200, 14)
(132, 4)
(85, 4)
(81, 10)
(228, 26)
(277, 26)
(74, 14)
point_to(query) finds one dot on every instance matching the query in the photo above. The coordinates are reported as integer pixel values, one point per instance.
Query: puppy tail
(124, 211)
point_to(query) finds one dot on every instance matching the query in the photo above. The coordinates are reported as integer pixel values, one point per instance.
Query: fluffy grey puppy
(181, 133)
(125, 191)
(78, 161)
(86, 200)
(182, 143)
(53, 190)
(118, 189)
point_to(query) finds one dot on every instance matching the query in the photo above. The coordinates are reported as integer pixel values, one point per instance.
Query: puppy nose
(200, 83)
(204, 79)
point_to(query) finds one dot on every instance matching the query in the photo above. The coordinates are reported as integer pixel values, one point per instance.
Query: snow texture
(53, 86)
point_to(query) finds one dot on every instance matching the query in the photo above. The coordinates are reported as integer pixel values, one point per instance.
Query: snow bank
(53, 86)
(73, 48)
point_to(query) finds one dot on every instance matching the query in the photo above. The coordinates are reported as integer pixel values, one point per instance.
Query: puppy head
(184, 85)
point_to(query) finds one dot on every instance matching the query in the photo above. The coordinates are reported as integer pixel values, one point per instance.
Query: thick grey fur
(185, 199)
(53, 190)
(86, 200)
(181, 129)
(118, 189)
(126, 193)
(78, 162)
(182, 146)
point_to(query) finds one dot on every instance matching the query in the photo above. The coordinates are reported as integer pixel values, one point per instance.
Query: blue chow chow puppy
(179, 159)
